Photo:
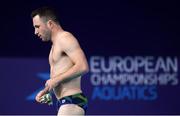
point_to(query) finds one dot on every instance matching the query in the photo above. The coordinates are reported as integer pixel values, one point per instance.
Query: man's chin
(44, 40)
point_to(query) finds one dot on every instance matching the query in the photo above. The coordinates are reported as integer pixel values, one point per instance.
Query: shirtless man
(67, 63)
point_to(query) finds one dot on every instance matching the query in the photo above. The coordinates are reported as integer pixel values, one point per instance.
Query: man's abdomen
(68, 88)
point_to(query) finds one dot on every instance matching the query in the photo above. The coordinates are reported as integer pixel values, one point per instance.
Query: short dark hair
(47, 13)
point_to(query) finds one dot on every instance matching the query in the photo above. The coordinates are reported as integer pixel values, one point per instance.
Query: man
(67, 63)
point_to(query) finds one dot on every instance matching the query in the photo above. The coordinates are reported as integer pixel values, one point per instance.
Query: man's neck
(55, 31)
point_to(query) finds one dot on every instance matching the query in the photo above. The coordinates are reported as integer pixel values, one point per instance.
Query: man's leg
(70, 109)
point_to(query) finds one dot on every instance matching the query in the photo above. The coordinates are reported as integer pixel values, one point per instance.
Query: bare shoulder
(68, 40)
(66, 36)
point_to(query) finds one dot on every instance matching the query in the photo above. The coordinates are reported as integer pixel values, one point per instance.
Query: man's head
(43, 19)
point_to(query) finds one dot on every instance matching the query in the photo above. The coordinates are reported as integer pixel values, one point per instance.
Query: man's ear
(50, 24)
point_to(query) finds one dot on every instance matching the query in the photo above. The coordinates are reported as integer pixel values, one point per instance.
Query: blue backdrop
(132, 49)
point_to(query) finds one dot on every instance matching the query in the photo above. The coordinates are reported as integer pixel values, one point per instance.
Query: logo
(63, 101)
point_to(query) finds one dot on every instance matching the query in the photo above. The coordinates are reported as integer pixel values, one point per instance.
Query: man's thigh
(70, 109)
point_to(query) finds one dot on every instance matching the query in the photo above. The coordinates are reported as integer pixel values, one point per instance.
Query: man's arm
(72, 48)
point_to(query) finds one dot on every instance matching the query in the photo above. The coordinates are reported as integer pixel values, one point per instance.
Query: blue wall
(134, 38)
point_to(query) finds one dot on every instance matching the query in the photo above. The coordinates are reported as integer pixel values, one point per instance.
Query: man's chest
(55, 55)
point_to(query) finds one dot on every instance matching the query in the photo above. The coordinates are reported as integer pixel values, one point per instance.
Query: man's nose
(36, 32)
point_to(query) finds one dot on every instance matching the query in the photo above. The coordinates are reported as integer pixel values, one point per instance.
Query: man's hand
(40, 94)
(51, 83)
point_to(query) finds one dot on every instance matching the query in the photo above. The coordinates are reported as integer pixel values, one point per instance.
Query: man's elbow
(85, 68)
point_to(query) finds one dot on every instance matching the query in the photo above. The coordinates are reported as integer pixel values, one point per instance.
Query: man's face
(41, 29)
